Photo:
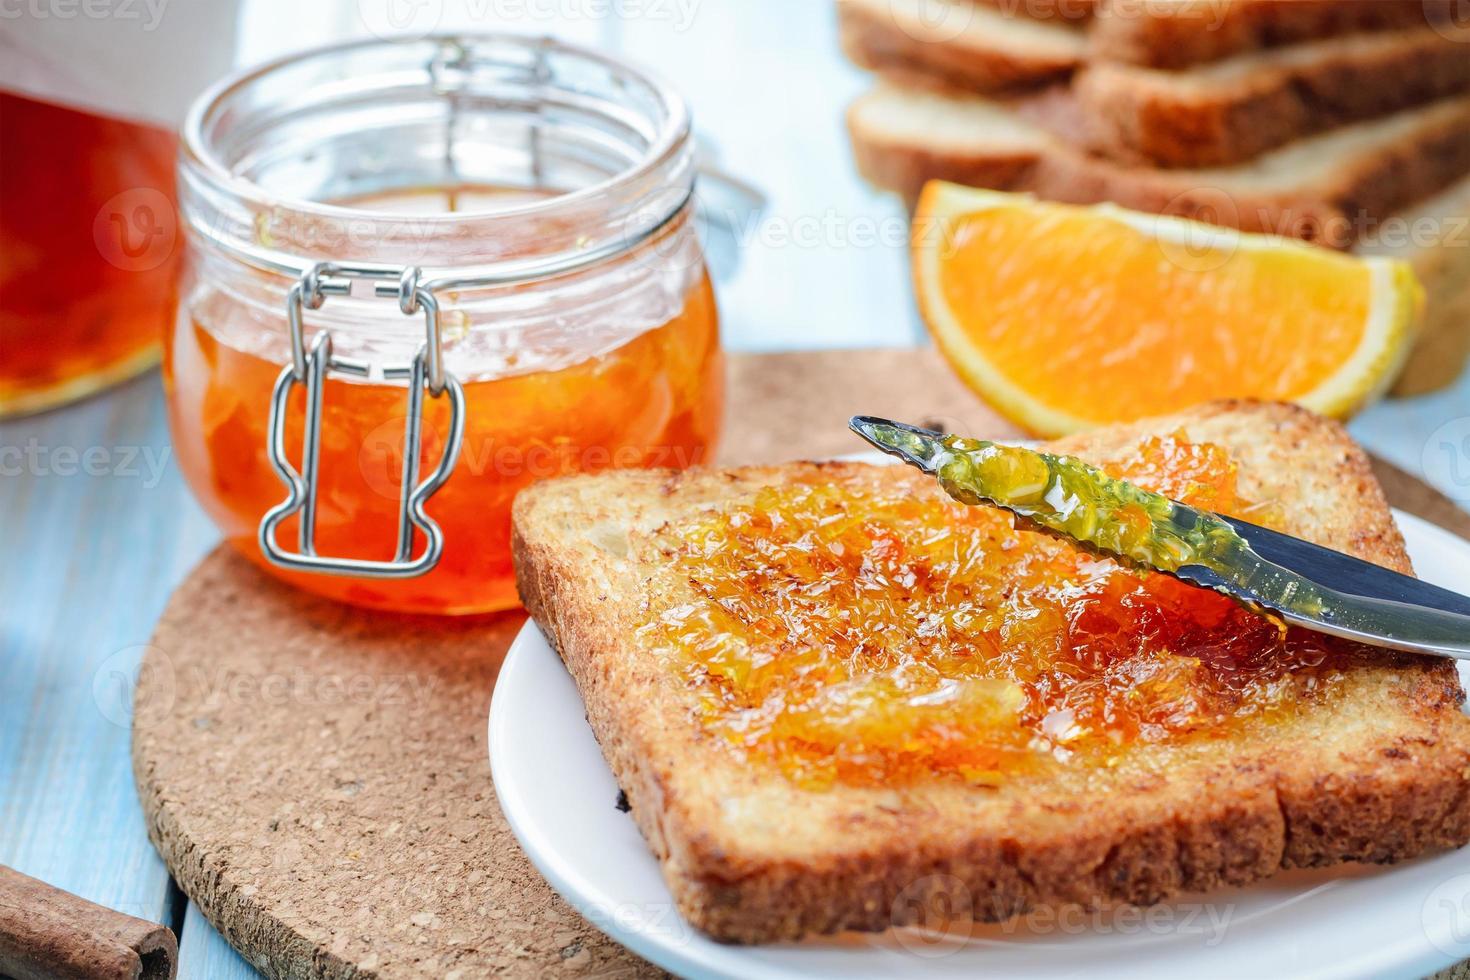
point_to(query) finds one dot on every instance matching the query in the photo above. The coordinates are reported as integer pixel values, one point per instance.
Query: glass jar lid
(281, 171)
(602, 151)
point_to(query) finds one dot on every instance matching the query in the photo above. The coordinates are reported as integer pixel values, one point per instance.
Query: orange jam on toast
(855, 628)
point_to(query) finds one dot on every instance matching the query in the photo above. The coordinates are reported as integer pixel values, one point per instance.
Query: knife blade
(1303, 583)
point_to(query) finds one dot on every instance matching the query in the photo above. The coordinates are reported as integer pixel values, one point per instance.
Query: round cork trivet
(315, 776)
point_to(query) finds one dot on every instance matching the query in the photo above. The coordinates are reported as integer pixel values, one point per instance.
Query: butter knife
(1302, 583)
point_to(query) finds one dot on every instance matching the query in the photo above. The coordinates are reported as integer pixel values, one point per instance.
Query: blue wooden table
(98, 527)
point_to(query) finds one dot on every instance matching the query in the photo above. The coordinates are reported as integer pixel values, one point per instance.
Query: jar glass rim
(200, 159)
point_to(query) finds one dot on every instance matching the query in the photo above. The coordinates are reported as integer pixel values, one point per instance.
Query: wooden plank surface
(204, 955)
(97, 528)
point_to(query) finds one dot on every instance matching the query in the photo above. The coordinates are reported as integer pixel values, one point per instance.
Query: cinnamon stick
(50, 934)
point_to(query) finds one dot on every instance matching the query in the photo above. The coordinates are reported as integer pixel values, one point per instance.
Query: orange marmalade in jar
(420, 276)
(88, 256)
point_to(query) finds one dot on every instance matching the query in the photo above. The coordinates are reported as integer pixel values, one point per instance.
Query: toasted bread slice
(1327, 189)
(1216, 114)
(1234, 110)
(1434, 237)
(969, 44)
(1075, 12)
(1181, 33)
(1378, 774)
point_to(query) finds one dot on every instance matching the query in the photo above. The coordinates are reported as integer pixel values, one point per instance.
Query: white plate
(559, 796)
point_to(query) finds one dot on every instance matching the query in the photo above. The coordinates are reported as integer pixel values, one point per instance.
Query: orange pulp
(1052, 301)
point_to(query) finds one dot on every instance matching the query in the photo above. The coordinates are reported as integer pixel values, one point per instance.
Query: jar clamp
(309, 367)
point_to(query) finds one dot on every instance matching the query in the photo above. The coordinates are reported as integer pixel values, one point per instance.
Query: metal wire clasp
(309, 367)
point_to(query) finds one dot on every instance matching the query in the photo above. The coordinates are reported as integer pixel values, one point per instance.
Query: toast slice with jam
(838, 700)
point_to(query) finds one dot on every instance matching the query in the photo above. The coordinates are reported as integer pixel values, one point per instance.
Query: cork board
(315, 776)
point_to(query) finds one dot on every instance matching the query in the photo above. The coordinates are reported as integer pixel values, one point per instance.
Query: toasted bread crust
(1077, 12)
(875, 40)
(1142, 115)
(1361, 193)
(1204, 117)
(1171, 34)
(1379, 774)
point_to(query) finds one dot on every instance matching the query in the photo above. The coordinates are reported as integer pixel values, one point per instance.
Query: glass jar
(89, 250)
(479, 246)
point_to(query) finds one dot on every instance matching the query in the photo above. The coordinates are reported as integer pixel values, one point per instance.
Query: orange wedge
(1065, 318)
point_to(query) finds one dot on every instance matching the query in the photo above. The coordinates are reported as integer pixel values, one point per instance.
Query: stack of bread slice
(1341, 122)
